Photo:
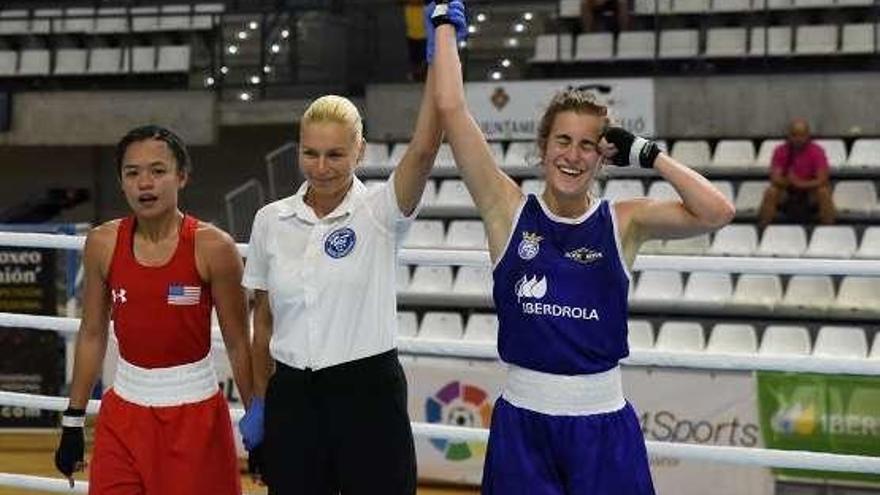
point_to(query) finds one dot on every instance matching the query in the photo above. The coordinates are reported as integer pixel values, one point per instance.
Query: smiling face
(571, 157)
(150, 178)
(329, 153)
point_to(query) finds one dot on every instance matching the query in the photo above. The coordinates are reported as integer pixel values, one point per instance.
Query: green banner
(821, 413)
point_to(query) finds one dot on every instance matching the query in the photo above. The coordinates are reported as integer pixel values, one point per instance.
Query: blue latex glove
(251, 425)
(456, 13)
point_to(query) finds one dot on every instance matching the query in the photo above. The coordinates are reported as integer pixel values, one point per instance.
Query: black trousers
(343, 429)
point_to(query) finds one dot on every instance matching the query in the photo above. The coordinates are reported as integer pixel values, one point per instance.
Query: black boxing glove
(71, 450)
(631, 149)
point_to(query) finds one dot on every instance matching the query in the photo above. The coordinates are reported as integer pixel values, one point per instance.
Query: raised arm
(415, 166)
(495, 194)
(224, 272)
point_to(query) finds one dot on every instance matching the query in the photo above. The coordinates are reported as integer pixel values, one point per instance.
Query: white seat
(785, 339)
(553, 47)
(441, 325)
(813, 3)
(618, 190)
(809, 292)
(735, 240)
(402, 278)
(47, 21)
(758, 290)
(375, 155)
(734, 153)
(859, 294)
(70, 61)
(679, 43)
(532, 186)
(453, 193)
(569, 8)
(777, 39)
(658, 286)
(111, 20)
(105, 61)
(835, 151)
(765, 152)
(207, 15)
(497, 151)
(849, 3)
(8, 62)
(14, 21)
(858, 38)
(481, 327)
(78, 20)
(725, 187)
(663, 191)
(726, 42)
(174, 18)
(832, 241)
(865, 153)
(842, 342)
(870, 246)
(34, 62)
(783, 241)
(518, 153)
(143, 59)
(407, 324)
(635, 45)
(144, 19)
(750, 195)
(640, 334)
(693, 246)
(855, 196)
(397, 152)
(431, 279)
(466, 234)
(173, 58)
(816, 40)
(429, 195)
(653, 7)
(731, 5)
(709, 288)
(875, 348)
(694, 154)
(680, 336)
(651, 246)
(473, 280)
(733, 338)
(444, 159)
(690, 6)
(594, 46)
(425, 234)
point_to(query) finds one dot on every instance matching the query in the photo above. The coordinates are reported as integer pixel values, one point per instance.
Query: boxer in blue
(562, 270)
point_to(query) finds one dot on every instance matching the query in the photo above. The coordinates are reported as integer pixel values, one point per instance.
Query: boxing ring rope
(728, 264)
(726, 454)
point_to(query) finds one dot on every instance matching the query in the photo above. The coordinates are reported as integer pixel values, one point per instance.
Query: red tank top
(161, 314)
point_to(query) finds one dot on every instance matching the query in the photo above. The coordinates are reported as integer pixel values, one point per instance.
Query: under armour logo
(118, 296)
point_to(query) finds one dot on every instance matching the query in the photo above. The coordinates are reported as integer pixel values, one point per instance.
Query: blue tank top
(561, 292)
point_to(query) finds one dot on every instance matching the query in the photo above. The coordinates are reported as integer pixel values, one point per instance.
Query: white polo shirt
(331, 281)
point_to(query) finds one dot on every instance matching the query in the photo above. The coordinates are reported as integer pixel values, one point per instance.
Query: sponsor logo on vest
(529, 246)
(536, 288)
(584, 255)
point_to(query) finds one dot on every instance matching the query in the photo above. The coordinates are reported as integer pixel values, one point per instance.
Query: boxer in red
(164, 426)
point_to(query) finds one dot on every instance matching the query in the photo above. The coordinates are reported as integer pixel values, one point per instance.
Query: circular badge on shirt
(340, 242)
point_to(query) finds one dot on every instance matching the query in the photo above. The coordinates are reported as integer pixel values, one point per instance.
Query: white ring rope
(637, 357)
(725, 264)
(730, 455)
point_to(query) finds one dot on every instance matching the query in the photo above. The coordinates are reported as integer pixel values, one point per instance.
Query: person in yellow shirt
(416, 38)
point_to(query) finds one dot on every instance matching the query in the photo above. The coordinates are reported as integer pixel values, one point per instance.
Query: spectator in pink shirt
(798, 179)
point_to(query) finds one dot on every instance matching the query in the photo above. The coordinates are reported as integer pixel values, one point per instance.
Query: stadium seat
(658, 286)
(835, 151)
(111, 20)
(855, 196)
(663, 191)
(690, 6)
(632, 45)
(859, 294)
(174, 18)
(553, 47)
(709, 288)
(518, 153)
(473, 280)
(680, 336)
(842, 342)
(858, 38)
(765, 152)
(441, 325)
(143, 59)
(425, 234)
(407, 324)
(173, 58)
(776, 38)
(617, 190)
(594, 46)
(749, 196)
(497, 152)
(78, 20)
(14, 21)
(725, 187)
(875, 349)
(532, 186)
(739, 153)
(640, 334)
(783, 241)
(46, 21)
(429, 195)
(466, 234)
(402, 278)
(855, 3)
(651, 7)
(207, 15)
(679, 43)
(870, 245)
(733, 338)
(431, 279)
(726, 42)
(865, 153)
(757, 291)
(144, 19)
(569, 8)
(809, 292)
(444, 159)
(397, 152)
(375, 155)
(453, 192)
(688, 246)
(694, 154)
(8, 62)
(785, 339)
(832, 241)
(731, 5)
(481, 328)
(70, 61)
(734, 240)
(105, 61)
(813, 3)
(34, 62)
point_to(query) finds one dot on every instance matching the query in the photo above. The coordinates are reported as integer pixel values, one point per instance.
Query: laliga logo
(531, 288)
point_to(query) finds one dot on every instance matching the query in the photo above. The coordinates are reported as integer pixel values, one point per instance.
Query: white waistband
(564, 395)
(161, 387)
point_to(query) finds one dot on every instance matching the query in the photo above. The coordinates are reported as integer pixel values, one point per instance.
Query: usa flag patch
(184, 295)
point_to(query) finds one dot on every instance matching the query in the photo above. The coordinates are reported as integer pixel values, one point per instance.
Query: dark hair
(142, 133)
(573, 100)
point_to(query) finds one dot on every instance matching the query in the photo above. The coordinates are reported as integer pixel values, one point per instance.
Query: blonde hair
(334, 108)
